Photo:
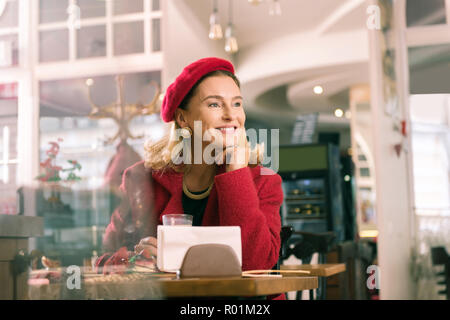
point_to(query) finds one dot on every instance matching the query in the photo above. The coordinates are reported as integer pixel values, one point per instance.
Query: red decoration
(52, 171)
(398, 148)
(403, 122)
(8, 90)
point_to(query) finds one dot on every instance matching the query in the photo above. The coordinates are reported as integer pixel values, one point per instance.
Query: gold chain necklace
(197, 196)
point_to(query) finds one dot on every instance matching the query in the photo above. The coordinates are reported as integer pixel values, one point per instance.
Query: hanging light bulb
(215, 29)
(231, 45)
(255, 2)
(275, 8)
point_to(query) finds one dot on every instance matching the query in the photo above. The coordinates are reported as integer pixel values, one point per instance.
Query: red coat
(241, 197)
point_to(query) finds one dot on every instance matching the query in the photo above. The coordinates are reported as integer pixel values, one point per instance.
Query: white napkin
(174, 241)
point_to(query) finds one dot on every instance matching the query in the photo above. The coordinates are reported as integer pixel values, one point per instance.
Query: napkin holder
(210, 260)
(175, 241)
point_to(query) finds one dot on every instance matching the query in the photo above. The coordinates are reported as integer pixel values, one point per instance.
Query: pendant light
(275, 8)
(215, 29)
(231, 45)
(255, 2)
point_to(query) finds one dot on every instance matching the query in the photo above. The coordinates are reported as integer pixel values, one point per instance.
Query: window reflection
(52, 10)
(9, 44)
(9, 17)
(124, 43)
(423, 13)
(156, 32)
(91, 9)
(76, 213)
(156, 5)
(91, 42)
(53, 45)
(8, 157)
(127, 6)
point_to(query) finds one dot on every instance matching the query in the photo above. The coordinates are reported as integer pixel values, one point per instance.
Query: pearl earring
(186, 132)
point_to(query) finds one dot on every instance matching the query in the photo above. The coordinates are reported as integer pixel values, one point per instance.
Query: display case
(312, 188)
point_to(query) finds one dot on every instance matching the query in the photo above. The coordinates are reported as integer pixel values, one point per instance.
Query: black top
(194, 207)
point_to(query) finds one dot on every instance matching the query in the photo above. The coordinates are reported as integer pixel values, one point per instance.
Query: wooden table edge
(261, 287)
(329, 269)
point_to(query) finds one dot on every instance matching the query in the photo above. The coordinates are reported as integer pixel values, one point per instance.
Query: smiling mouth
(227, 129)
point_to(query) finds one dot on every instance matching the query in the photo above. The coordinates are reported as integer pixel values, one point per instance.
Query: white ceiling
(253, 24)
(254, 28)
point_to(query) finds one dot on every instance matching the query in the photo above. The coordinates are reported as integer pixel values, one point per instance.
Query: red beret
(176, 92)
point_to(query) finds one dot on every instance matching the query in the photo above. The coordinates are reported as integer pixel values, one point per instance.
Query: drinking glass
(177, 220)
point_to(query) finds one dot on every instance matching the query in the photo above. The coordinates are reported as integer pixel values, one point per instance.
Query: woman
(222, 193)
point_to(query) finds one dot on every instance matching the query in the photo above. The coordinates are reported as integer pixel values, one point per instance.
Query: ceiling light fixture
(348, 114)
(215, 29)
(231, 45)
(318, 90)
(275, 8)
(255, 2)
(338, 113)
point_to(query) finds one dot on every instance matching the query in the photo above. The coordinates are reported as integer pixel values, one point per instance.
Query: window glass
(128, 6)
(53, 45)
(91, 41)
(9, 44)
(430, 143)
(53, 10)
(156, 5)
(128, 38)
(91, 9)
(156, 35)
(76, 212)
(424, 13)
(8, 150)
(9, 17)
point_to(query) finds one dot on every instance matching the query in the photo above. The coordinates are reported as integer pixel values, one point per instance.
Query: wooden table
(236, 287)
(116, 287)
(318, 270)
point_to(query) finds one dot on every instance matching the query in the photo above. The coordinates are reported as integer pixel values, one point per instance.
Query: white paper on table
(174, 242)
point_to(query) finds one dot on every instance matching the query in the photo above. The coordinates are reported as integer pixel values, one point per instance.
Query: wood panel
(8, 249)
(6, 281)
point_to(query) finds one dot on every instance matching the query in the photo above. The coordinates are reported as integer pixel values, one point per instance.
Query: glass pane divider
(72, 36)
(99, 66)
(147, 27)
(447, 12)
(9, 31)
(109, 29)
(52, 26)
(129, 17)
(92, 22)
(156, 14)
